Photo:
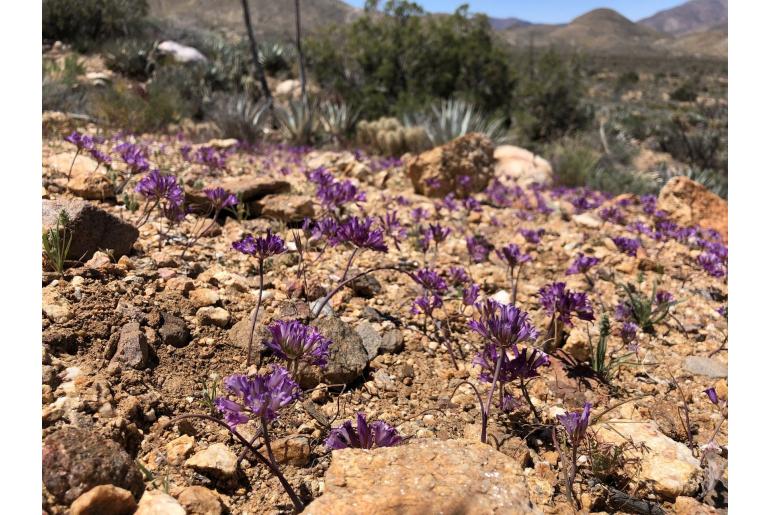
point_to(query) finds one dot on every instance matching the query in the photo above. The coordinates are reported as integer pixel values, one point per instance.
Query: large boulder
(246, 188)
(520, 166)
(665, 466)
(691, 203)
(438, 171)
(76, 460)
(284, 207)
(88, 180)
(92, 228)
(425, 476)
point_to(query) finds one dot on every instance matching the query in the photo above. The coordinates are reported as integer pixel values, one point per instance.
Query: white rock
(181, 53)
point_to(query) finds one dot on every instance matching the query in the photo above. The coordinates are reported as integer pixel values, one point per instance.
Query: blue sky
(546, 11)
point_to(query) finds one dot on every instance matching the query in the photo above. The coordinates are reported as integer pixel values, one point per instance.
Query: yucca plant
(450, 119)
(298, 121)
(275, 56)
(241, 117)
(338, 118)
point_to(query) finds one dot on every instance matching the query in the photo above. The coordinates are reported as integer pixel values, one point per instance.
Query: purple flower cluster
(296, 342)
(262, 247)
(532, 235)
(431, 281)
(478, 248)
(576, 424)
(261, 396)
(211, 157)
(81, 141)
(391, 225)
(503, 325)
(563, 303)
(582, 264)
(220, 198)
(612, 214)
(133, 156)
(363, 436)
(524, 364)
(160, 188)
(359, 233)
(336, 194)
(512, 255)
(628, 246)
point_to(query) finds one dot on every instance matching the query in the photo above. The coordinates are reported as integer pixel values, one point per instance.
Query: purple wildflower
(100, 157)
(439, 233)
(524, 364)
(471, 204)
(555, 298)
(532, 235)
(359, 233)
(712, 395)
(364, 436)
(663, 297)
(337, 194)
(649, 203)
(503, 324)
(133, 156)
(582, 264)
(478, 248)
(419, 214)
(158, 187)
(623, 311)
(426, 304)
(449, 203)
(320, 177)
(628, 246)
(612, 214)
(296, 342)
(393, 228)
(81, 141)
(430, 280)
(220, 198)
(262, 396)
(458, 276)
(628, 332)
(512, 255)
(711, 264)
(471, 294)
(262, 247)
(576, 424)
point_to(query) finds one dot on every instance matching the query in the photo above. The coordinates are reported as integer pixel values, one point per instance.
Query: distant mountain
(270, 18)
(690, 17)
(708, 43)
(506, 23)
(599, 31)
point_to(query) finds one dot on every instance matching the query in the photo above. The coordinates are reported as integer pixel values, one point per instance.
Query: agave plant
(275, 56)
(712, 180)
(241, 117)
(338, 118)
(298, 121)
(450, 119)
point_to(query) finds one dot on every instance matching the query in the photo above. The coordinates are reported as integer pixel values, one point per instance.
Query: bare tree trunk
(301, 57)
(255, 54)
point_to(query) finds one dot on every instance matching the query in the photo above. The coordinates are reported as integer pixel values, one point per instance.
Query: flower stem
(488, 408)
(256, 311)
(266, 437)
(69, 174)
(529, 401)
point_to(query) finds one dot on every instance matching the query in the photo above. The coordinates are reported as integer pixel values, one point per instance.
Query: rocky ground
(134, 335)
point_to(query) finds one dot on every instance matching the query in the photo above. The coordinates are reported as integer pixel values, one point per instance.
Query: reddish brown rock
(690, 203)
(436, 172)
(425, 476)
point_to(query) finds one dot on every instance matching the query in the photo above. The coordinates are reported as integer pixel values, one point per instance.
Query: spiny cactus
(388, 136)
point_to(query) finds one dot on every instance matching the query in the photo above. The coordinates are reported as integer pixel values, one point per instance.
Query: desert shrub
(714, 181)
(387, 136)
(276, 57)
(61, 90)
(84, 21)
(685, 92)
(550, 99)
(449, 119)
(626, 80)
(238, 116)
(696, 137)
(128, 57)
(576, 163)
(398, 60)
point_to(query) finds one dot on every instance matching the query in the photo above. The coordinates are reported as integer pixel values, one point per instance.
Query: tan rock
(159, 503)
(690, 203)
(104, 499)
(55, 305)
(436, 172)
(577, 345)
(293, 450)
(666, 466)
(217, 460)
(690, 506)
(425, 476)
(284, 207)
(203, 297)
(521, 166)
(178, 449)
(589, 220)
(208, 315)
(87, 181)
(199, 500)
